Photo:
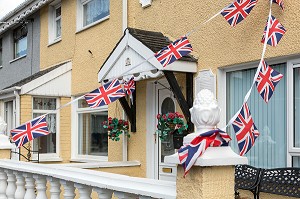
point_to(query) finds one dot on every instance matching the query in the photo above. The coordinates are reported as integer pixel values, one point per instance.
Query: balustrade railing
(25, 180)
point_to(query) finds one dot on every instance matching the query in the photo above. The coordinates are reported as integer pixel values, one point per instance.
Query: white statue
(3, 126)
(4, 139)
(205, 114)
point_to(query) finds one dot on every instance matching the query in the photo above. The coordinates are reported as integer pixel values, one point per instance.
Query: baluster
(11, 184)
(69, 189)
(84, 191)
(145, 197)
(123, 195)
(20, 191)
(54, 188)
(3, 184)
(40, 186)
(30, 185)
(104, 193)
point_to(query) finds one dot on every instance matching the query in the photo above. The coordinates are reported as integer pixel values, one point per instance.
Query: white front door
(164, 103)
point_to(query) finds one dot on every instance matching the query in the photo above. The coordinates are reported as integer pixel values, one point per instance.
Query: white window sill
(89, 158)
(92, 24)
(54, 41)
(17, 59)
(48, 158)
(94, 165)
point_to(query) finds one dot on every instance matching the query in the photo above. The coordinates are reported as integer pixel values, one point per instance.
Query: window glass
(296, 107)
(46, 144)
(92, 137)
(20, 41)
(296, 161)
(58, 22)
(95, 10)
(270, 148)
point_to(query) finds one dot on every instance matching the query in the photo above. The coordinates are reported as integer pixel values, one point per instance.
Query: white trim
(54, 42)
(99, 164)
(16, 59)
(92, 24)
(221, 96)
(52, 22)
(46, 78)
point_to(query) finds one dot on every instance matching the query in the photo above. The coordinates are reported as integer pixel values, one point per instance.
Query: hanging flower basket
(168, 123)
(116, 127)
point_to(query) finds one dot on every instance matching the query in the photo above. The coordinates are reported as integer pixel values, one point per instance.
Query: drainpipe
(125, 17)
(17, 108)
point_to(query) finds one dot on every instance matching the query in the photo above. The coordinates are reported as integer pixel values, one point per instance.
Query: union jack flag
(245, 130)
(280, 3)
(237, 11)
(266, 81)
(29, 131)
(189, 153)
(276, 32)
(129, 86)
(105, 94)
(174, 51)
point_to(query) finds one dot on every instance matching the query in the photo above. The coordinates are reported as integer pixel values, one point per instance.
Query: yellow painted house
(85, 43)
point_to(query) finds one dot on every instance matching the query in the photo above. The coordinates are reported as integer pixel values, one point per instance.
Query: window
(9, 115)
(92, 137)
(270, 149)
(91, 12)
(46, 144)
(20, 41)
(55, 22)
(0, 52)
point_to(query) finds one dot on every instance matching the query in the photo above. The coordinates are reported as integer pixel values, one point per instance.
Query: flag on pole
(29, 131)
(245, 130)
(280, 3)
(266, 81)
(174, 51)
(238, 11)
(276, 32)
(105, 94)
(188, 154)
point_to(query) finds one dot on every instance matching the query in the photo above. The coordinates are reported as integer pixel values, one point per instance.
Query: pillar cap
(5, 143)
(213, 156)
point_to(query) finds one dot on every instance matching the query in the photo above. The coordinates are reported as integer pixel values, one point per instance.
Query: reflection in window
(95, 10)
(20, 41)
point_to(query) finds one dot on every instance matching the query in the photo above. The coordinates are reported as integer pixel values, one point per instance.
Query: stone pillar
(5, 145)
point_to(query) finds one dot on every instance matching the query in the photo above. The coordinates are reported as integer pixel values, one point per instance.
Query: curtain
(95, 10)
(270, 147)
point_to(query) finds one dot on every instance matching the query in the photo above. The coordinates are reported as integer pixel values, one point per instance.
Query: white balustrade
(12, 174)
(54, 188)
(11, 184)
(3, 184)
(30, 186)
(20, 191)
(41, 187)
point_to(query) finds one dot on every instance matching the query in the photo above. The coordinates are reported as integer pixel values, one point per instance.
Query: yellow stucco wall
(4, 153)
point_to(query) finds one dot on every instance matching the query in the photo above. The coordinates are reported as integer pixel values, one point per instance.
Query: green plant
(168, 123)
(116, 127)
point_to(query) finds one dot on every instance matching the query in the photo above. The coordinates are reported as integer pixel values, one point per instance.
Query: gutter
(12, 89)
(125, 15)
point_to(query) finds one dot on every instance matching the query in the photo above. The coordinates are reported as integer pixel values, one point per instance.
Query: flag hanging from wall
(237, 11)
(189, 153)
(29, 131)
(266, 81)
(105, 94)
(129, 86)
(280, 3)
(174, 51)
(276, 31)
(245, 130)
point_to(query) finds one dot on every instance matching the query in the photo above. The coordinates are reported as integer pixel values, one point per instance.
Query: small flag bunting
(129, 86)
(105, 94)
(276, 32)
(280, 3)
(29, 131)
(188, 154)
(238, 11)
(245, 130)
(266, 81)
(174, 51)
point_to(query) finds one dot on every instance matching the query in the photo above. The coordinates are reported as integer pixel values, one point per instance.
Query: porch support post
(189, 96)
(130, 111)
(178, 94)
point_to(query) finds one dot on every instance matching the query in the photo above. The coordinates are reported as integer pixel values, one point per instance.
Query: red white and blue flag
(105, 94)
(129, 86)
(266, 81)
(174, 51)
(237, 11)
(29, 131)
(276, 32)
(280, 3)
(188, 154)
(245, 130)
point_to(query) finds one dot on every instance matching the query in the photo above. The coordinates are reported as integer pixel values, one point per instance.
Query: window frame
(290, 64)
(52, 22)
(15, 40)
(49, 156)
(75, 156)
(1, 52)
(79, 19)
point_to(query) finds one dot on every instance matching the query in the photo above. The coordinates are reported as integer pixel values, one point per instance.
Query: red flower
(158, 116)
(120, 121)
(164, 117)
(126, 123)
(171, 116)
